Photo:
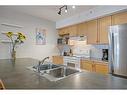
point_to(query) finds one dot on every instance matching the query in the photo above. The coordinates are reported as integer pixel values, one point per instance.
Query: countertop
(17, 76)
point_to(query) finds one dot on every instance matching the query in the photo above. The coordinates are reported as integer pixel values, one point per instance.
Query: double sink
(54, 72)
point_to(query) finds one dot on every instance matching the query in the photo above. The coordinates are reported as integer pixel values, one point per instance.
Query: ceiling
(50, 12)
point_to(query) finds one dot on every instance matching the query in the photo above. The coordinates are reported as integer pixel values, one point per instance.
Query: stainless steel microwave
(62, 40)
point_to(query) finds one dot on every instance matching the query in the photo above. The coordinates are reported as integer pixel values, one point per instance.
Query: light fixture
(73, 6)
(65, 8)
(60, 9)
(59, 12)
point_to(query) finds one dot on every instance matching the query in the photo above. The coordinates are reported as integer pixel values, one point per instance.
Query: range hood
(78, 38)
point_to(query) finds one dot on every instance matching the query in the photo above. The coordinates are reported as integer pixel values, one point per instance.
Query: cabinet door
(92, 37)
(119, 18)
(103, 26)
(58, 59)
(81, 29)
(72, 30)
(63, 31)
(101, 68)
(86, 65)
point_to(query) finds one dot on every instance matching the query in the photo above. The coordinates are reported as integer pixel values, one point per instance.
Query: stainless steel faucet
(41, 62)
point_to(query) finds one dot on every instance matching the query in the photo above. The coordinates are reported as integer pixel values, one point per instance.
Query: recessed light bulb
(73, 7)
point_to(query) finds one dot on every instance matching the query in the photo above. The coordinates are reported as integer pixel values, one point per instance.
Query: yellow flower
(21, 36)
(24, 37)
(19, 33)
(9, 34)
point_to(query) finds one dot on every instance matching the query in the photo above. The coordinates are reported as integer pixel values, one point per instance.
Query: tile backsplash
(81, 47)
(96, 50)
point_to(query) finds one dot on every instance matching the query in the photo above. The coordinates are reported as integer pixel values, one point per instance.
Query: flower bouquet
(16, 39)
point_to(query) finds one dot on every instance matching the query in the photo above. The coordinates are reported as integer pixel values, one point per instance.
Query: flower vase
(13, 54)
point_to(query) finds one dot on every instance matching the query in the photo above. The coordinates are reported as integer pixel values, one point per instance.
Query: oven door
(72, 62)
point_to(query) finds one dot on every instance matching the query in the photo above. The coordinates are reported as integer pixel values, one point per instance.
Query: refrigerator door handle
(111, 50)
(112, 53)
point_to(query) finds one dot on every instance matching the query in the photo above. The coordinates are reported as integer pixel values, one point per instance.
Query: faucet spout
(41, 62)
(44, 59)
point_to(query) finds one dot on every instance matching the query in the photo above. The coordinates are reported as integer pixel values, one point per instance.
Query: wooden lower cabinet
(101, 68)
(57, 59)
(86, 65)
(94, 66)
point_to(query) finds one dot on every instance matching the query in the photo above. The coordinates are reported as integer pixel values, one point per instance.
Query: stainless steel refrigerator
(118, 50)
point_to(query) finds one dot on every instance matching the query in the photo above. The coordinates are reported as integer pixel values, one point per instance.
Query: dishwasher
(72, 61)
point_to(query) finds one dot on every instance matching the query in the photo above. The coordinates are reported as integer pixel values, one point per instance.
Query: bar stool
(1, 85)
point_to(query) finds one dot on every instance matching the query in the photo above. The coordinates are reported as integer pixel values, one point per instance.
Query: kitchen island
(16, 75)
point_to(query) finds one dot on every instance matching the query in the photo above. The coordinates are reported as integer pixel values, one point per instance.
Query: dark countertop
(17, 76)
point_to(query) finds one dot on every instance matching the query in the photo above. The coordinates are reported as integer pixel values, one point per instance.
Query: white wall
(90, 14)
(29, 23)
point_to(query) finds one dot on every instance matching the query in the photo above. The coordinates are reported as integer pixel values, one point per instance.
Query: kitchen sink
(60, 73)
(44, 67)
(54, 72)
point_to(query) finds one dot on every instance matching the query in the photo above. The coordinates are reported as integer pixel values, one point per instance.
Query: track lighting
(65, 9)
(60, 9)
(59, 12)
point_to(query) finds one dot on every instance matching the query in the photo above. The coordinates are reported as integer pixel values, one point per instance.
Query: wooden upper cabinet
(72, 30)
(119, 18)
(95, 30)
(82, 29)
(63, 31)
(103, 26)
(92, 37)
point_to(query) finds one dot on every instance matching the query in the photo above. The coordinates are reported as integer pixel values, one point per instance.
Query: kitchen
(74, 56)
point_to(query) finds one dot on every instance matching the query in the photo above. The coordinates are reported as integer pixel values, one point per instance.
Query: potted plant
(16, 39)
